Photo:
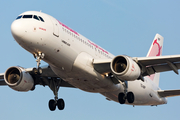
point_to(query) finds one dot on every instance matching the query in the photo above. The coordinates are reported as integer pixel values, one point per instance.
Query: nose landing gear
(38, 57)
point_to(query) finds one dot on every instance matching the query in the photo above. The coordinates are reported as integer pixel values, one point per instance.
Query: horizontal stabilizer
(169, 93)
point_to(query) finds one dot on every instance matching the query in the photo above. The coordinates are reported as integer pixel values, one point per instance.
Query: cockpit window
(41, 18)
(36, 17)
(19, 17)
(27, 16)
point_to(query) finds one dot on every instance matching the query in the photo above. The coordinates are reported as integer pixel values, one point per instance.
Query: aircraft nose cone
(17, 29)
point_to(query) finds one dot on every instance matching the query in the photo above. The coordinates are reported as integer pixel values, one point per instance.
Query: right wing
(42, 79)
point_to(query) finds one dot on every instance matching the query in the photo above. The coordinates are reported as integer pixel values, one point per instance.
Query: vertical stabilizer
(156, 50)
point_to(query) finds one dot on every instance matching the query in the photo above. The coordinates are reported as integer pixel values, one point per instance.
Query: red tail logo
(156, 49)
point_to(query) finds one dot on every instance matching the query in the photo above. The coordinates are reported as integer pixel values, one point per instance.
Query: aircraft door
(55, 27)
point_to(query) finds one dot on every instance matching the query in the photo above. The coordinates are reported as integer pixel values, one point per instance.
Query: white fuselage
(71, 55)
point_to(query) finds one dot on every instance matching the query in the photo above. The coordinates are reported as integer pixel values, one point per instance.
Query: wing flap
(169, 93)
(159, 68)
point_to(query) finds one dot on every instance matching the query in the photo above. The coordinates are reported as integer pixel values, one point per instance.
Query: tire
(52, 105)
(40, 71)
(60, 104)
(121, 98)
(130, 97)
(35, 71)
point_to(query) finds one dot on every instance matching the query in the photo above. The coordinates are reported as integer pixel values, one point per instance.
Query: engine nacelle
(124, 68)
(18, 79)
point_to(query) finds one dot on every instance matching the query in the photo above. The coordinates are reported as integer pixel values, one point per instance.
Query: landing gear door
(55, 27)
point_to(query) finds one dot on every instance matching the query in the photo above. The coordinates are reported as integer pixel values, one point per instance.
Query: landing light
(107, 75)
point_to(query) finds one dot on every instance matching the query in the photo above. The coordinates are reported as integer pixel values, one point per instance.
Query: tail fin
(156, 50)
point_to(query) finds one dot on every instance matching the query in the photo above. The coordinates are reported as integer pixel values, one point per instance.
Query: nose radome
(17, 29)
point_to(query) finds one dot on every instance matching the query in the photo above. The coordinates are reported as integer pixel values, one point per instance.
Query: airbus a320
(77, 62)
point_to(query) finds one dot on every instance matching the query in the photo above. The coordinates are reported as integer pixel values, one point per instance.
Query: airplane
(77, 62)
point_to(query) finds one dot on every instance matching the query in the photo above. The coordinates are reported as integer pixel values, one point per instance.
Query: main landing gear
(54, 85)
(129, 96)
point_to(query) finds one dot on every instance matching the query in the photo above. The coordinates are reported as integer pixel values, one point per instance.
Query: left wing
(169, 93)
(148, 65)
(2, 82)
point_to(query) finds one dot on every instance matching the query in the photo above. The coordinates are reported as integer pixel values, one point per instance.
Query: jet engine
(125, 68)
(18, 79)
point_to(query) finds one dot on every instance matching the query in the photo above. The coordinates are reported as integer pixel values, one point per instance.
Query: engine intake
(18, 79)
(125, 68)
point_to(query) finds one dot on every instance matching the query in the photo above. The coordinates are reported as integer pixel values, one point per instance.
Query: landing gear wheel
(130, 97)
(60, 104)
(52, 105)
(121, 98)
(54, 84)
(37, 71)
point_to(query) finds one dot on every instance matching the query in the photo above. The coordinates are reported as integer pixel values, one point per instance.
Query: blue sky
(119, 26)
